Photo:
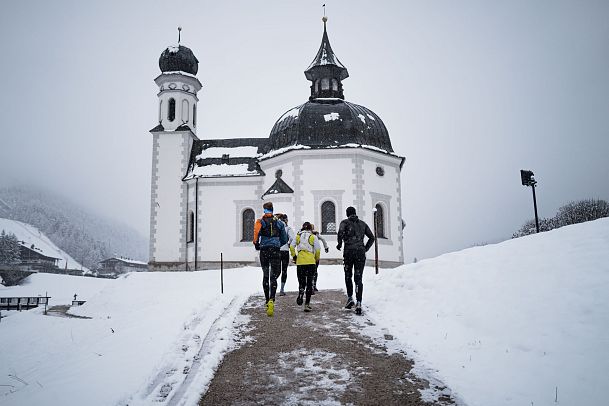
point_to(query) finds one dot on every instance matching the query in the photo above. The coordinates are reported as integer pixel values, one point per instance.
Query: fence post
(221, 273)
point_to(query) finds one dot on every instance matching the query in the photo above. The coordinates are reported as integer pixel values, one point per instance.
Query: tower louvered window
(328, 218)
(380, 221)
(247, 225)
(171, 110)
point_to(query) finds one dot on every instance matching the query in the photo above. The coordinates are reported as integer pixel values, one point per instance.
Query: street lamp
(528, 179)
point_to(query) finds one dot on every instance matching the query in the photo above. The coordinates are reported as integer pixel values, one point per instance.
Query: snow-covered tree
(9, 249)
(581, 211)
(572, 213)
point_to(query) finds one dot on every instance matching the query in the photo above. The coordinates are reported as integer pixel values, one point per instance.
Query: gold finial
(179, 34)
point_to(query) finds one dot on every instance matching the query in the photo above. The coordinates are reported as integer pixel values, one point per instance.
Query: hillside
(85, 236)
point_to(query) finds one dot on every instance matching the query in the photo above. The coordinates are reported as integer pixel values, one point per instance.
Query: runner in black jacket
(352, 231)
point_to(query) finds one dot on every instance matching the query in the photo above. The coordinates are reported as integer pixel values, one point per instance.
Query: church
(206, 193)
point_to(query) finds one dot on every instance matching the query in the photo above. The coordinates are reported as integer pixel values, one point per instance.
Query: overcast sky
(470, 91)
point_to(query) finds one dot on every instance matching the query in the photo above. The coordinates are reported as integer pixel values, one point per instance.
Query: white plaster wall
(220, 229)
(171, 152)
(385, 190)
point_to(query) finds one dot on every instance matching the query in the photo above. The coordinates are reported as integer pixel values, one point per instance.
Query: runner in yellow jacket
(305, 250)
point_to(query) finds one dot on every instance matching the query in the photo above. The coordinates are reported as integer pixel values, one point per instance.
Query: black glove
(327, 250)
(257, 246)
(338, 246)
(294, 258)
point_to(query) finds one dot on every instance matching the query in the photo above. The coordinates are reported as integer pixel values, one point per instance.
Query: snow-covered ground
(509, 324)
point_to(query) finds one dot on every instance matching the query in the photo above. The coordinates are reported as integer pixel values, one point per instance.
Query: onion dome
(323, 123)
(326, 72)
(327, 120)
(178, 58)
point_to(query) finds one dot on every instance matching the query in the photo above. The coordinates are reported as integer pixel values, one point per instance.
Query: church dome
(323, 123)
(178, 58)
(327, 120)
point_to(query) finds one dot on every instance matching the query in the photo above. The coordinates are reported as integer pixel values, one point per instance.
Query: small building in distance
(35, 258)
(118, 265)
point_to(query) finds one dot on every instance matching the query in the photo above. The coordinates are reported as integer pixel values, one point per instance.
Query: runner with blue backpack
(269, 236)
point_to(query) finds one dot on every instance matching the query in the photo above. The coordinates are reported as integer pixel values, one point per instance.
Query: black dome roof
(178, 58)
(323, 123)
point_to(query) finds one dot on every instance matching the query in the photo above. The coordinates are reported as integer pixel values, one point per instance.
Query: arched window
(190, 231)
(334, 85)
(380, 221)
(247, 225)
(171, 110)
(328, 218)
(185, 111)
(325, 84)
(194, 115)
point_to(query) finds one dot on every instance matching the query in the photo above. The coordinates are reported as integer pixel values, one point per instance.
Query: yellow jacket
(306, 247)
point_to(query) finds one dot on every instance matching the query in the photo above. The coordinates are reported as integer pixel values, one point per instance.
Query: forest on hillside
(87, 237)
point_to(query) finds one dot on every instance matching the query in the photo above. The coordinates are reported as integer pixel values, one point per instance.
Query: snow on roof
(291, 113)
(232, 152)
(280, 151)
(29, 235)
(126, 260)
(331, 116)
(215, 170)
(362, 117)
(180, 72)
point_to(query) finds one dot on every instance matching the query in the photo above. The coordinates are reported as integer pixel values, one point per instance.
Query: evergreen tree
(9, 249)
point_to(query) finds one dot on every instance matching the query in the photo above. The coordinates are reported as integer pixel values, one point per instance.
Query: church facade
(320, 157)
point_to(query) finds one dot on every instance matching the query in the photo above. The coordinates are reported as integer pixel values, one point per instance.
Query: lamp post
(528, 179)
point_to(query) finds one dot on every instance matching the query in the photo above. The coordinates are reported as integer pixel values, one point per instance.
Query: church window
(194, 115)
(328, 217)
(325, 84)
(247, 226)
(190, 232)
(171, 111)
(334, 85)
(380, 221)
(185, 111)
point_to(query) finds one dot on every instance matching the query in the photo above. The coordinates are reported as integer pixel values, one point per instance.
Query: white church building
(320, 157)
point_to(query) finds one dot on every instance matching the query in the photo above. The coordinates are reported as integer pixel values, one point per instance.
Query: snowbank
(508, 324)
(141, 326)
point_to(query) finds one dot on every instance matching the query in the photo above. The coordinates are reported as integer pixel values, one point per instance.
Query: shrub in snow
(572, 213)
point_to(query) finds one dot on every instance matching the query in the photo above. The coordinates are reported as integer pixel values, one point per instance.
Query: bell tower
(173, 138)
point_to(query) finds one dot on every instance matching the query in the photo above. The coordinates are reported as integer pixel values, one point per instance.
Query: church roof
(225, 158)
(325, 58)
(178, 59)
(329, 123)
(278, 187)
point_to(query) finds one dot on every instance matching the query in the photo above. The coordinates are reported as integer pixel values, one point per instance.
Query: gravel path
(297, 358)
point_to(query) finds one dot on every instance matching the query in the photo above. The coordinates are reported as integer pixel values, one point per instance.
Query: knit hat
(350, 211)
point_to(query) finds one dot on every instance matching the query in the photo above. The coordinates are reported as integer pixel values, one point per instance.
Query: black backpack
(352, 236)
(269, 227)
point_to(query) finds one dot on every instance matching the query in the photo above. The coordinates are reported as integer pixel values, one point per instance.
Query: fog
(470, 91)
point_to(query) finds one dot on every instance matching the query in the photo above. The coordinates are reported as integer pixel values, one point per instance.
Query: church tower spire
(326, 72)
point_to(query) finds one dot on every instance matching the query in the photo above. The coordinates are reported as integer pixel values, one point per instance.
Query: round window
(380, 171)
